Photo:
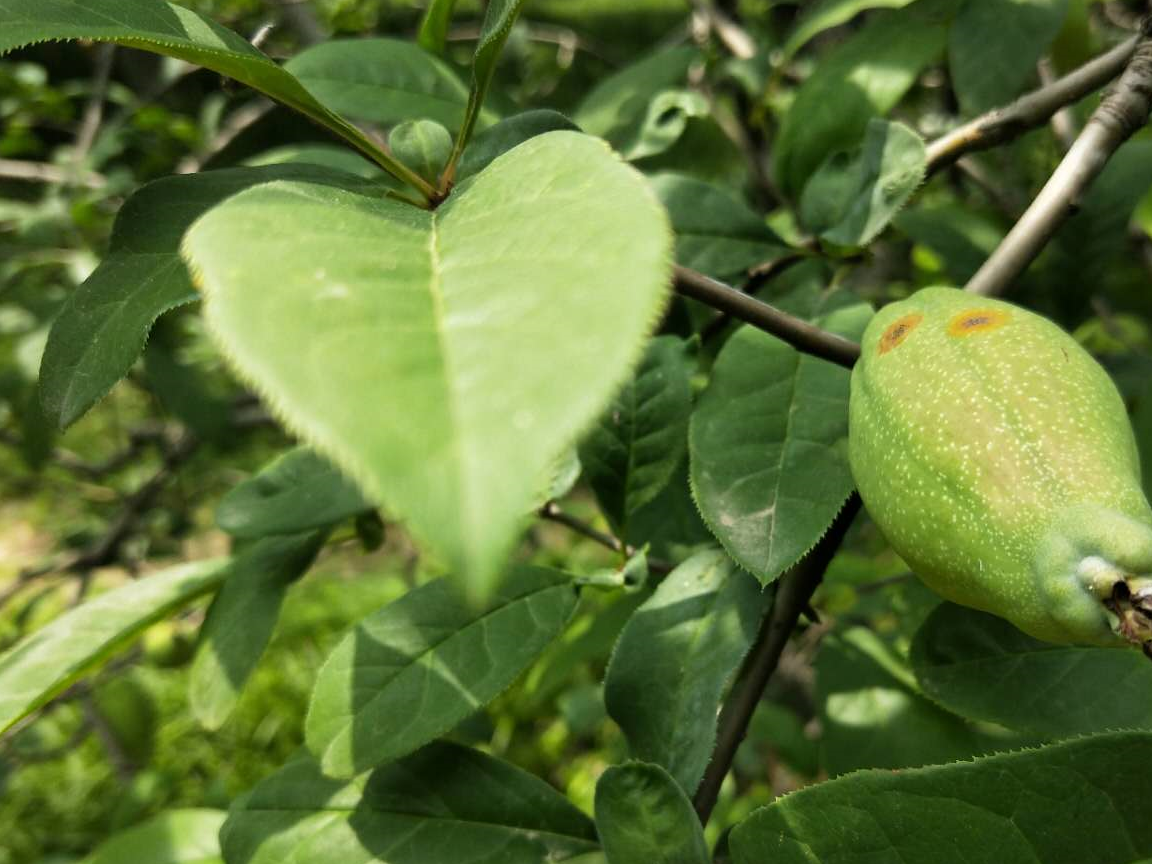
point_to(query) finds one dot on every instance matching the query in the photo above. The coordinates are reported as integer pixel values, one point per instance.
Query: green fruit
(996, 456)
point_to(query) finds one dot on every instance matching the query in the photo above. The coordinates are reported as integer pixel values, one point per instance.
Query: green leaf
(241, 619)
(503, 136)
(664, 123)
(716, 232)
(296, 492)
(768, 439)
(982, 667)
(422, 145)
(1084, 800)
(642, 815)
(443, 359)
(445, 804)
(675, 658)
(864, 77)
(172, 837)
(413, 670)
(994, 45)
(852, 198)
(873, 715)
(831, 13)
(632, 451)
(165, 28)
(433, 35)
(962, 237)
(102, 328)
(618, 107)
(499, 17)
(383, 81)
(48, 661)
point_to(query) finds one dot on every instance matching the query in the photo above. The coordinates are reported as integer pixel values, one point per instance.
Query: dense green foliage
(373, 491)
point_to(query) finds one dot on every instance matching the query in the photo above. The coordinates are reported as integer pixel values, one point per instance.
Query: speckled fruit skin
(996, 456)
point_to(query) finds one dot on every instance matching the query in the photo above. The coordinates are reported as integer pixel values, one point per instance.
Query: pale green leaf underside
(443, 359)
(768, 441)
(413, 670)
(165, 28)
(446, 804)
(172, 837)
(982, 667)
(1084, 800)
(46, 662)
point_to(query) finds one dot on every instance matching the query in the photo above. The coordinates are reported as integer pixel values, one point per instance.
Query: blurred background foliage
(81, 126)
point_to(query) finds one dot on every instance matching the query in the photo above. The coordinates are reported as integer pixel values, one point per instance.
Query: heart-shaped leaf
(443, 359)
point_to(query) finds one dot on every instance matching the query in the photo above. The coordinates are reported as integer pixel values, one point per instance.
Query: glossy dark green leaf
(296, 492)
(1071, 803)
(768, 440)
(241, 619)
(675, 658)
(853, 197)
(629, 455)
(381, 81)
(643, 816)
(826, 14)
(445, 804)
(103, 326)
(994, 45)
(716, 232)
(413, 670)
(847, 89)
(982, 667)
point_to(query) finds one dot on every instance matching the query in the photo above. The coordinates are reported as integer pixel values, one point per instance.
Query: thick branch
(793, 594)
(1122, 112)
(1031, 110)
(795, 331)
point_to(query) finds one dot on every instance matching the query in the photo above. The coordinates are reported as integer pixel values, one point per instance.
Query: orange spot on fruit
(976, 320)
(898, 331)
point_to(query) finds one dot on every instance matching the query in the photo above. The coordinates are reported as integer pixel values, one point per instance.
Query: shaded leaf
(508, 133)
(873, 715)
(446, 368)
(961, 237)
(445, 804)
(1063, 804)
(716, 232)
(642, 815)
(49, 660)
(675, 658)
(852, 198)
(768, 439)
(632, 451)
(982, 667)
(862, 78)
(433, 34)
(296, 492)
(102, 328)
(831, 13)
(241, 619)
(411, 671)
(994, 45)
(381, 81)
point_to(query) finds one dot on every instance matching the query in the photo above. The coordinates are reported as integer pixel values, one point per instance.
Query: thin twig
(1031, 110)
(94, 110)
(1122, 112)
(44, 172)
(734, 37)
(300, 17)
(552, 513)
(1063, 122)
(793, 594)
(795, 331)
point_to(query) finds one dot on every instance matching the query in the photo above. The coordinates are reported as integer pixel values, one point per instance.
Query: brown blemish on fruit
(976, 320)
(898, 331)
